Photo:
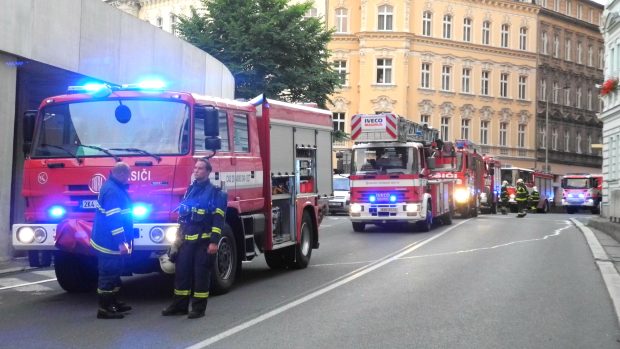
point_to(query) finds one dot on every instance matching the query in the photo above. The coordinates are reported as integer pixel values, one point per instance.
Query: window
(484, 85)
(338, 121)
(579, 53)
(503, 133)
(241, 134)
(544, 44)
(554, 139)
(341, 69)
(426, 23)
(590, 56)
(522, 87)
(569, 7)
(567, 48)
(173, 24)
(589, 99)
(467, 30)
(384, 71)
(543, 3)
(503, 85)
(311, 13)
(159, 22)
(465, 128)
(567, 101)
(556, 93)
(385, 20)
(199, 135)
(446, 75)
(543, 90)
(591, 16)
(425, 119)
(523, 38)
(589, 149)
(484, 132)
(521, 136)
(556, 5)
(447, 27)
(504, 35)
(341, 20)
(580, 11)
(465, 81)
(425, 79)
(556, 46)
(566, 141)
(445, 128)
(601, 58)
(578, 97)
(486, 33)
(543, 137)
(578, 142)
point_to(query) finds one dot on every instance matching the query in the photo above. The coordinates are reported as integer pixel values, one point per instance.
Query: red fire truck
(489, 199)
(582, 191)
(543, 181)
(272, 158)
(467, 167)
(390, 179)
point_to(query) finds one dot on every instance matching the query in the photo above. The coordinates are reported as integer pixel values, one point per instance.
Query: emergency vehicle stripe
(100, 291)
(360, 183)
(356, 126)
(201, 294)
(118, 231)
(112, 211)
(390, 125)
(102, 249)
(216, 230)
(191, 237)
(181, 292)
(219, 211)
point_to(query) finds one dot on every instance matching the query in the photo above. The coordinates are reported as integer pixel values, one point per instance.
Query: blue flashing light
(581, 196)
(93, 87)
(372, 198)
(392, 198)
(140, 211)
(152, 85)
(57, 211)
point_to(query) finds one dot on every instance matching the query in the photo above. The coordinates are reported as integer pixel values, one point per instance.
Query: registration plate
(88, 204)
(335, 204)
(388, 209)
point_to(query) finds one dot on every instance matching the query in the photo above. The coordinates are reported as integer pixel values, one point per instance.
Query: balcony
(571, 158)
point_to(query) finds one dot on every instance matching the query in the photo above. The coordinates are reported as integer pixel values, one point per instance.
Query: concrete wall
(7, 117)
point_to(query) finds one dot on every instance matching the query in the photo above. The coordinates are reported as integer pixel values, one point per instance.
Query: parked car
(342, 195)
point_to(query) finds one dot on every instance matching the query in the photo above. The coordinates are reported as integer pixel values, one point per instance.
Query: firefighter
(534, 198)
(112, 239)
(201, 218)
(504, 197)
(521, 197)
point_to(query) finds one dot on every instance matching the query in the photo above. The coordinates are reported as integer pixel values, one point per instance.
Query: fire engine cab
(272, 158)
(390, 179)
(582, 191)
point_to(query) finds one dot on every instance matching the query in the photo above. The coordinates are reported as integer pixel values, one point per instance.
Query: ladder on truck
(389, 127)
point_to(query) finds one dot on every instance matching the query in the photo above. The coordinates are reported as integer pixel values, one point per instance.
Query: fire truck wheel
(75, 273)
(447, 218)
(303, 250)
(358, 226)
(427, 224)
(225, 266)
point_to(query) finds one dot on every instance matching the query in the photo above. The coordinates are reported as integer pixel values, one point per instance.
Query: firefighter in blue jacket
(112, 239)
(201, 218)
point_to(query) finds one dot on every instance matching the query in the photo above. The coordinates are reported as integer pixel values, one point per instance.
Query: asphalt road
(489, 282)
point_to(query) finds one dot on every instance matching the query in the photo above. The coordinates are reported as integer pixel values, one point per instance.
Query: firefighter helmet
(535, 189)
(166, 264)
(519, 180)
(504, 183)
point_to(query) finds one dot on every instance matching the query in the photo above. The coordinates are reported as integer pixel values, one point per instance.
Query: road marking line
(25, 284)
(355, 275)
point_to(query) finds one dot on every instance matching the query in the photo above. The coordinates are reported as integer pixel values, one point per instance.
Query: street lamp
(553, 89)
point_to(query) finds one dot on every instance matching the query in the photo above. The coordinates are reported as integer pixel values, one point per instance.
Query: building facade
(610, 115)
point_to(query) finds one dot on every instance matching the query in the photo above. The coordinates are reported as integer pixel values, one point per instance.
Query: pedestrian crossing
(34, 281)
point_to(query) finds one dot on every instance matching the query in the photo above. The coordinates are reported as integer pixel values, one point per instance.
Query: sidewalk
(608, 234)
(14, 265)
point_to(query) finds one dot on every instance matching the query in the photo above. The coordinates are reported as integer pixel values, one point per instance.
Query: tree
(268, 46)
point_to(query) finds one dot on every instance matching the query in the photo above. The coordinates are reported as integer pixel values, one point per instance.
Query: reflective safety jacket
(113, 220)
(535, 196)
(202, 213)
(504, 194)
(521, 192)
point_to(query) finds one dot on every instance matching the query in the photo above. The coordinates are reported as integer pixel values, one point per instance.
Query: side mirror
(213, 143)
(30, 117)
(492, 171)
(211, 121)
(430, 162)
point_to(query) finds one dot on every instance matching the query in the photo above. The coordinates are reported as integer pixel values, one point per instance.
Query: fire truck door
(246, 164)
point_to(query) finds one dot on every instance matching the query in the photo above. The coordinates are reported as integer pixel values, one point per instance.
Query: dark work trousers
(193, 268)
(522, 206)
(110, 269)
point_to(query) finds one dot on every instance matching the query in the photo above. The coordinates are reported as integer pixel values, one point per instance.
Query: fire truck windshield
(385, 160)
(97, 128)
(576, 183)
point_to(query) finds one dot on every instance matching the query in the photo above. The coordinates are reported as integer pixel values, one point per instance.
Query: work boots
(106, 308)
(178, 307)
(199, 305)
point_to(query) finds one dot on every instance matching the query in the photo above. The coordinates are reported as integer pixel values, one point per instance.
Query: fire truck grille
(384, 197)
(78, 187)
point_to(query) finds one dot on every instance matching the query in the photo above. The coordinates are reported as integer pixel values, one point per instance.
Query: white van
(342, 195)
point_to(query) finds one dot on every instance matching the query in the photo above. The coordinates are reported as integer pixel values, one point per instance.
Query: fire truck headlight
(171, 234)
(57, 212)
(590, 201)
(461, 195)
(140, 211)
(40, 235)
(581, 196)
(25, 235)
(356, 208)
(157, 235)
(512, 196)
(412, 208)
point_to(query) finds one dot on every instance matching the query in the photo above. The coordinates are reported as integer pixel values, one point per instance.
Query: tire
(447, 218)
(358, 226)
(427, 224)
(303, 250)
(544, 209)
(225, 265)
(75, 273)
(465, 212)
(570, 210)
(40, 259)
(493, 208)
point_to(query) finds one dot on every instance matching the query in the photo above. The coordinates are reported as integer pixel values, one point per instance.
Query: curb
(605, 265)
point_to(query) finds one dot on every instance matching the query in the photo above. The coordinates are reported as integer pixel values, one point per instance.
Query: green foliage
(268, 46)
(340, 136)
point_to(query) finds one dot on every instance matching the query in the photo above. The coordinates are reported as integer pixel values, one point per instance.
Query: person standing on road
(504, 197)
(111, 239)
(201, 218)
(521, 196)
(534, 198)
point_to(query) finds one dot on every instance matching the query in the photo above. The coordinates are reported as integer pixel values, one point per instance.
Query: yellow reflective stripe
(201, 294)
(191, 237)
(205, 235)
(219, 211)
(102, 249)
(200, 211)
(118, 231)
(100, 291)
(181, 292)
(126, 211)
(112, 211)
(216, 230)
